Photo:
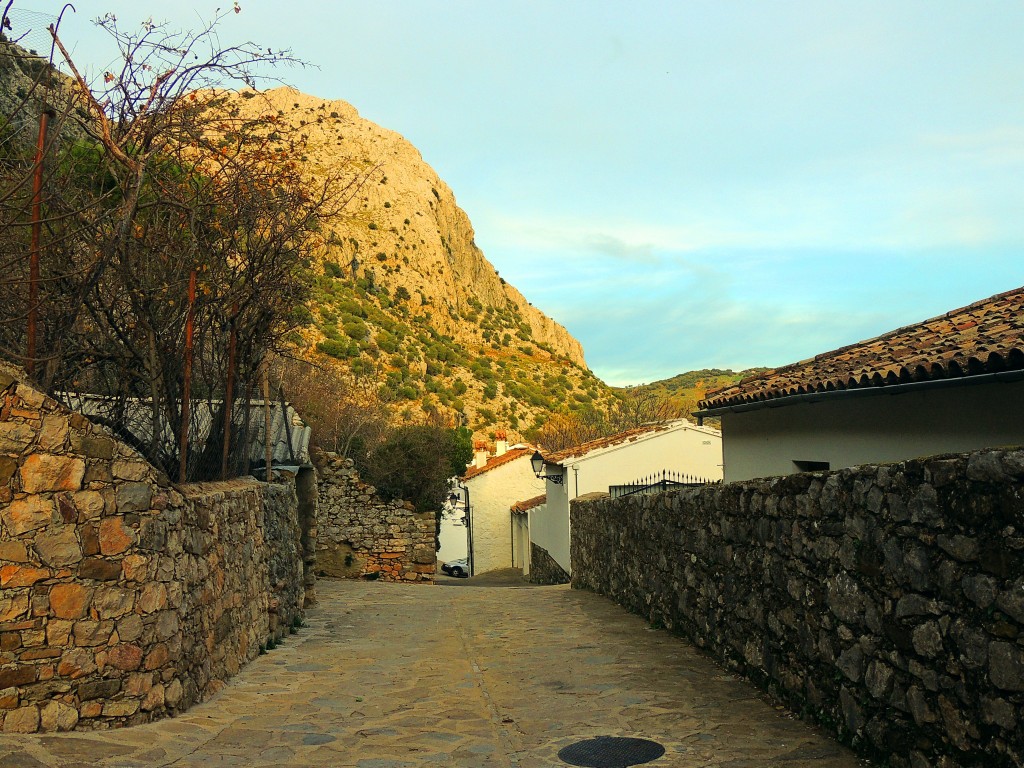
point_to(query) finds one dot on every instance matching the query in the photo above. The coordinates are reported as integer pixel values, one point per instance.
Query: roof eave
(845, 394)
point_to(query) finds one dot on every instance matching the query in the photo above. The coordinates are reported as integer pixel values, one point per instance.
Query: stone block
(90, 536)
(89, 504)
(54, 432)
(9, 698)
(154, 699)
(22, 720)
(70, 600)
(92, 446)
(1006, 666)
(17, 676)
(152, 598)
(90, 633)
(76, 663)
(28, 514)
(129, 629)
(157, 656)
(15, 437)
(134, 497)
(22, 575)
(58, 632)
(135, 567)
(115, 536)
(58, 547)
(13, 606)
(172, 696)
(42, 472)
(57, 716)
(113, 602)
(98, 689)
(130, 470)
(125, 657)
(8, 466)
(927, 639)
(14, 552)
(99, 569)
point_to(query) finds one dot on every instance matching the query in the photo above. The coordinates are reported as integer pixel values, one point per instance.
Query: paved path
(389, 676)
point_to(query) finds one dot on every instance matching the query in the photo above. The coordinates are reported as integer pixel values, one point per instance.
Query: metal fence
(658, 482)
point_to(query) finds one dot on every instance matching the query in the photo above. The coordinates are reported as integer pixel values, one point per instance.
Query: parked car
(457, 568)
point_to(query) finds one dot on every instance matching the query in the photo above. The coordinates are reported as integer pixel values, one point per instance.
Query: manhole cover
(611, 752)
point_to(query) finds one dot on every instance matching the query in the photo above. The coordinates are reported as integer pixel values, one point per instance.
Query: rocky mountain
(402, 292)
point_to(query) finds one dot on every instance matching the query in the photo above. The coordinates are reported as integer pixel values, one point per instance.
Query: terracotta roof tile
(496, 461)
(526, 506)
(984, 337)
(630, 435)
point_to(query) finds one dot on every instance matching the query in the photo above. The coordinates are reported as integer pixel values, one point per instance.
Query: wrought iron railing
(658, 482)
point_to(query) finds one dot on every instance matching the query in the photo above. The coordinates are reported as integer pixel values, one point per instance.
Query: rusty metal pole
(268, 453)
(186, 384)
(33, 258)
(230, 391)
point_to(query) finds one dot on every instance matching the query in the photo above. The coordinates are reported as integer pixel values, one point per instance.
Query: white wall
(685, 449)
(549, 525)
(454, 543)
(873, 429)
(491, 495)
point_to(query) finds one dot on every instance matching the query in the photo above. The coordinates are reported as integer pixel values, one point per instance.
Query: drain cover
(611, 752)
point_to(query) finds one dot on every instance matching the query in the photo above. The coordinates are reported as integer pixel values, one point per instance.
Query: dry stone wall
(544, 569)
(123, 598)
(361, 535)
(885, 602)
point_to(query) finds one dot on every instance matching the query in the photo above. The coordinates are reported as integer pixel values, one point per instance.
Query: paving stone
(391, 675)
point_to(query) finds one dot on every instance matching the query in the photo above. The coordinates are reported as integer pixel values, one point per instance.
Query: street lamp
(537, 462)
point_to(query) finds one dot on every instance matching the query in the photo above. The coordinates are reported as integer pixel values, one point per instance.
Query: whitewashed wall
(872, 430)
(687, 449)
(491, 495)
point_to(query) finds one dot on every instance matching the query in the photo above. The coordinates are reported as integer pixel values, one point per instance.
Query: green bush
(415, 462)
(332, 348)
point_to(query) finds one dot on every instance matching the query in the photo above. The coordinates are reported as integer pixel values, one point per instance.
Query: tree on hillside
(416, 461)
(343, 410)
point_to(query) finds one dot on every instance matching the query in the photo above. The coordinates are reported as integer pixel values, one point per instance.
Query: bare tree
(172, 215)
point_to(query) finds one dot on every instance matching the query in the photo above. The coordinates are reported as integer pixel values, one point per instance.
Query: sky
(686, 184)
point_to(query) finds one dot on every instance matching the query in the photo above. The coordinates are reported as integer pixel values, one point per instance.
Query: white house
(493, 483)
(679, 447)
(521, 514)
(953, 383)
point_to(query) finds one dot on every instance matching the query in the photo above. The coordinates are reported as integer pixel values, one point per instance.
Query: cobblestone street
(388, 676)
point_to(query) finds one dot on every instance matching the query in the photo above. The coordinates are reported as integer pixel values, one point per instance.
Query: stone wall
(359, 534)
(123, 598)
(885, 602)
(544, 569)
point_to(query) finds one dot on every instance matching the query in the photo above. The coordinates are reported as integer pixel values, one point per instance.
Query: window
(810, 466)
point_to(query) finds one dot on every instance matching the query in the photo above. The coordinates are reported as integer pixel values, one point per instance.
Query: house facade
(950, 384)
(493, 484)
(679, 447)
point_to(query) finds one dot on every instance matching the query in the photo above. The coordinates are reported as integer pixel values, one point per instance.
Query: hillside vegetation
(402, 296)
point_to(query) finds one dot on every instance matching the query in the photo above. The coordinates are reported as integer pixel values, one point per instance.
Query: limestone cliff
(404, 223)
(405, 292)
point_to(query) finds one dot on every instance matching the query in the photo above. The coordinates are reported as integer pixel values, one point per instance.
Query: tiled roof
(985, 337)
(629, 436)
(496, 461)
(526, 506)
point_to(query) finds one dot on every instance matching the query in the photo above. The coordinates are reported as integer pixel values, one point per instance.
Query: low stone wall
(544, 569)
(361, 535)
(122, 598)
(885, 602)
